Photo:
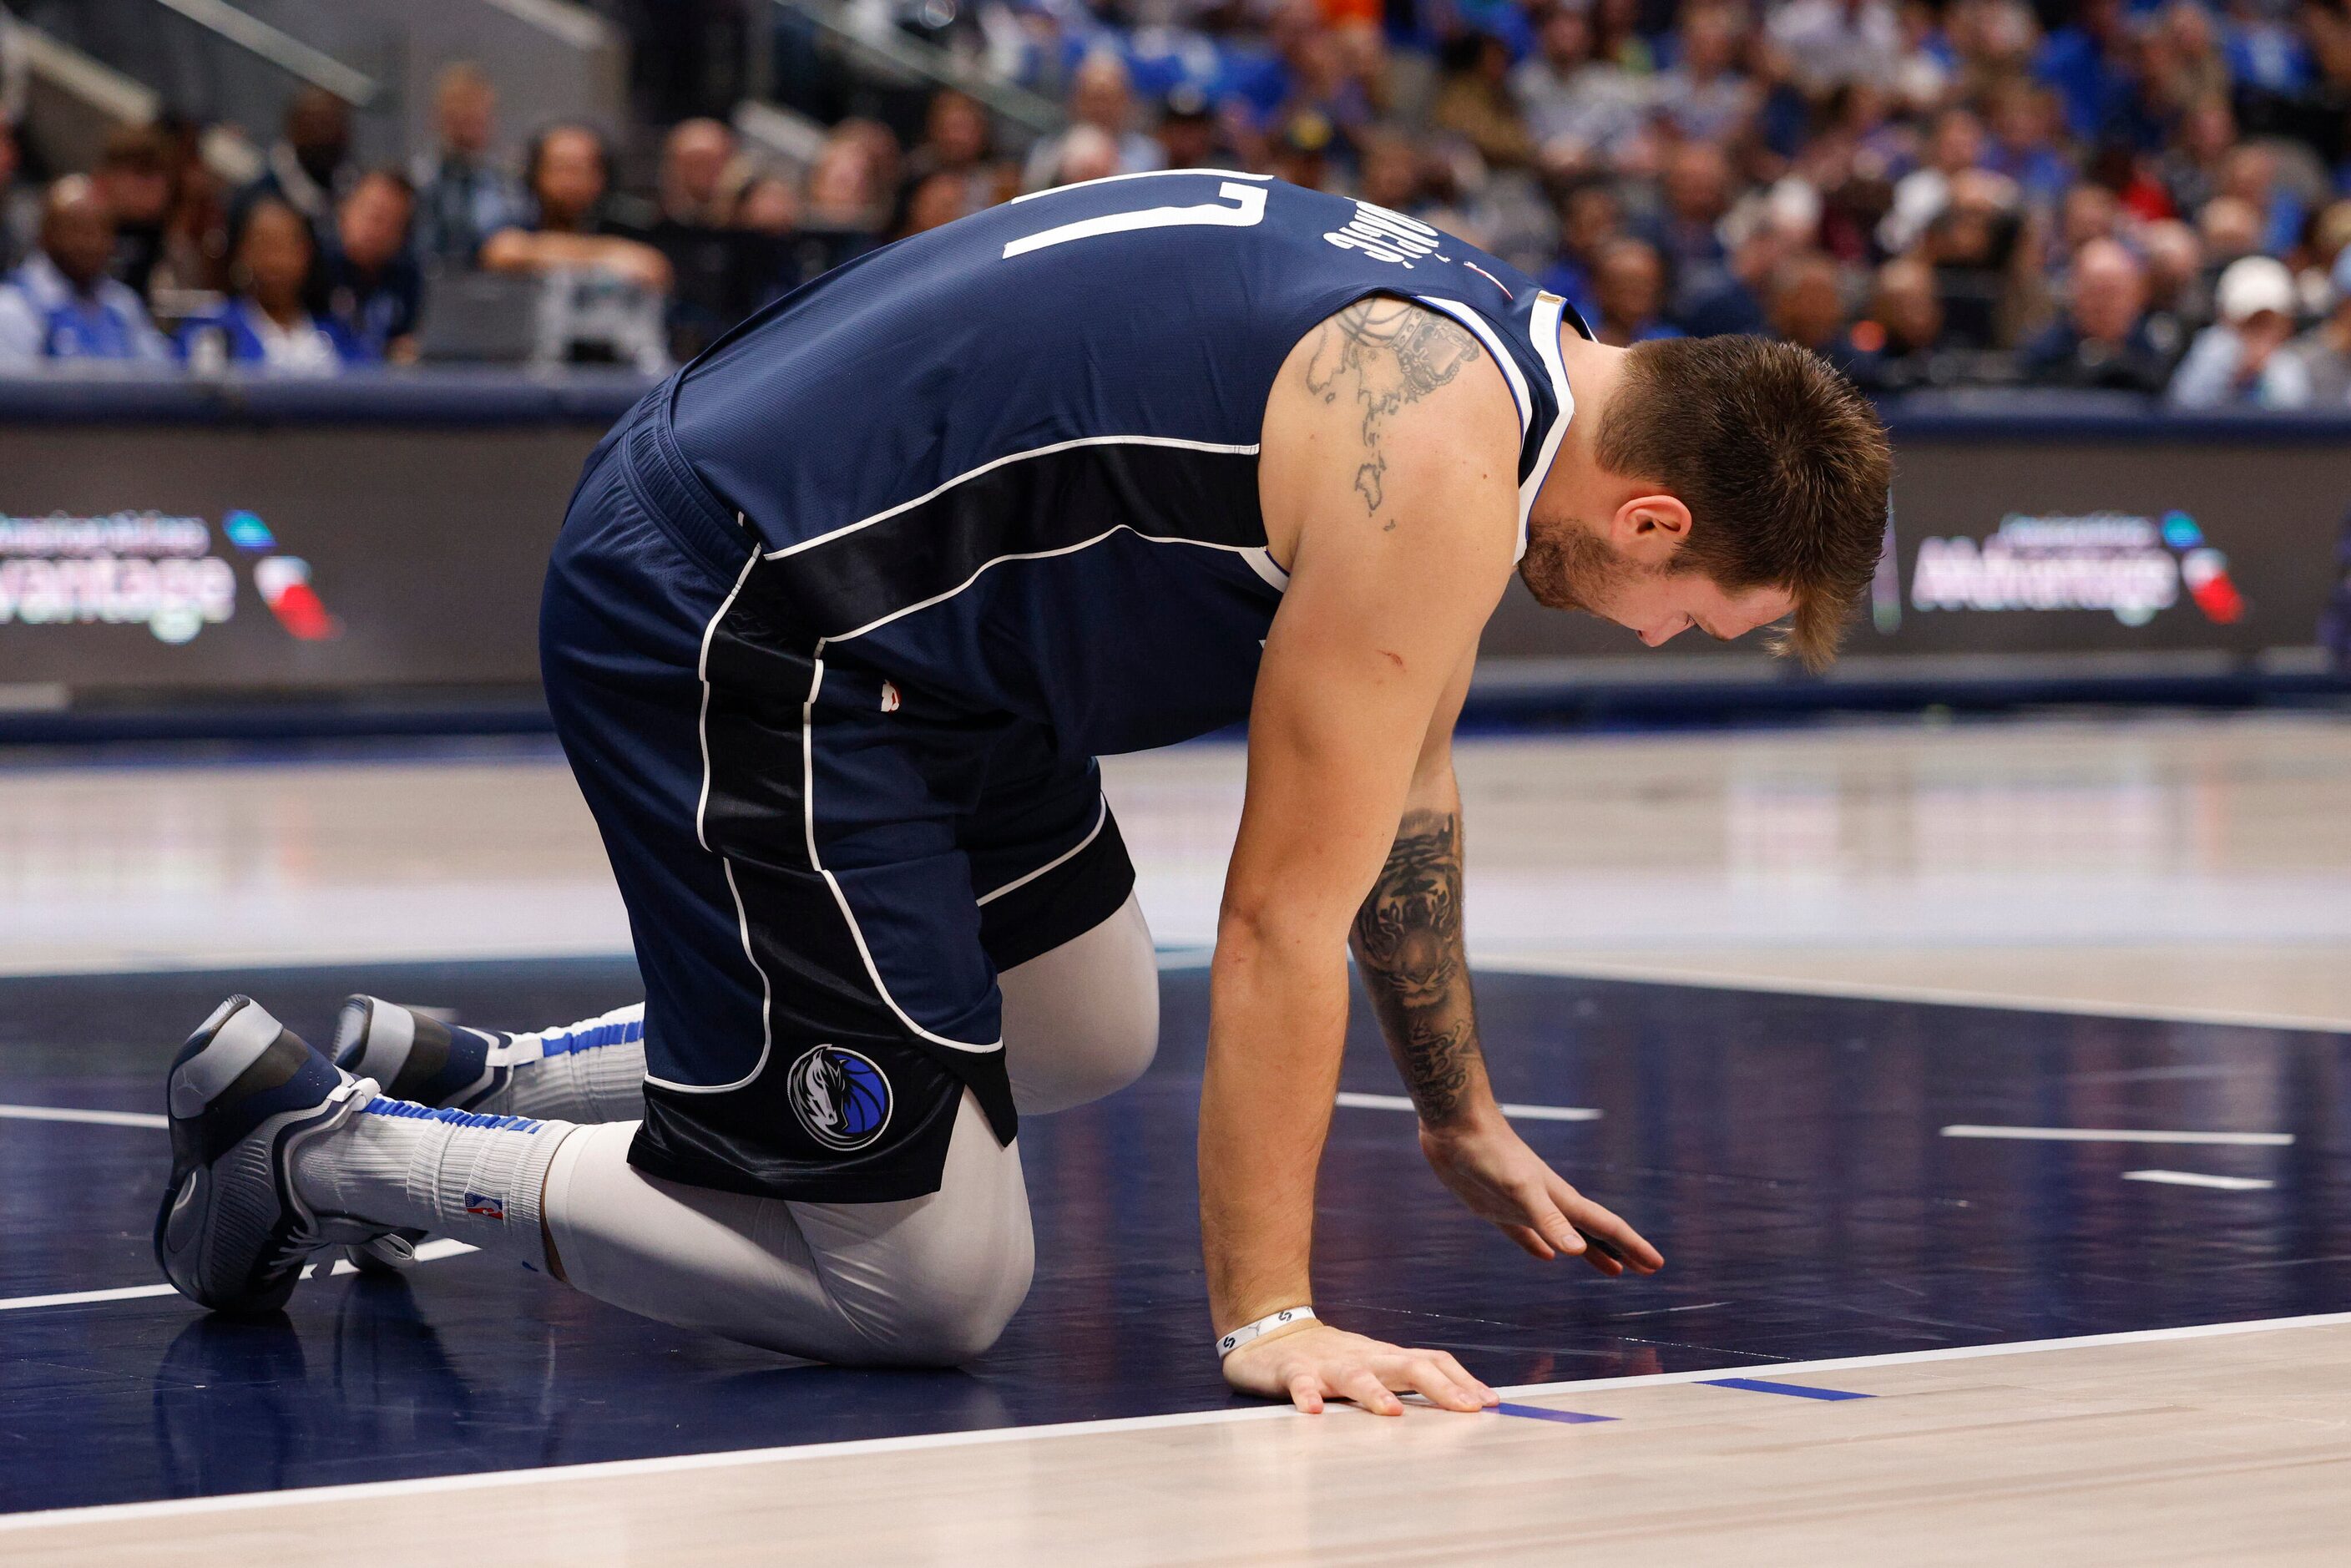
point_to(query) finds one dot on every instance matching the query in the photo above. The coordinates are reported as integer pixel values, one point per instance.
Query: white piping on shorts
(1101, 816)
(808, 808)
(701, 805)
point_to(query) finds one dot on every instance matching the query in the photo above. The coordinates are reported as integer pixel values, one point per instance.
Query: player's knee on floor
(1082, 1021)
(930, 1282)
(953, 1310)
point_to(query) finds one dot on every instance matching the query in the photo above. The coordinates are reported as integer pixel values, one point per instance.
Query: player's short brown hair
(1783, 465)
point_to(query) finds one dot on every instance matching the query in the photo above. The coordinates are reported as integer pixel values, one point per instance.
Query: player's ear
(1649, 528)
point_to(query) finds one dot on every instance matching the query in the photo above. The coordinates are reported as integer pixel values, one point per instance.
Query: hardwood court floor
(2148, 923)
(2227, 1447)
(2196, 867)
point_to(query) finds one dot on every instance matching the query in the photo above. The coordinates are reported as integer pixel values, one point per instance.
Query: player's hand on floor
(1490, 1167)
(1310, 1365)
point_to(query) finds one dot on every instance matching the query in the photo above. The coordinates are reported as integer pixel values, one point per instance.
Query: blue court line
(1798, 1390)
(1539, 1413)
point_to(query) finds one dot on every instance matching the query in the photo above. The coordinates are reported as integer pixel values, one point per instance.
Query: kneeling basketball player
(839, 621)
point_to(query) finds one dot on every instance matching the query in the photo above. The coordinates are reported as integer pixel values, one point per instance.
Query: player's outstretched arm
(1390, 474)
(1408, 941)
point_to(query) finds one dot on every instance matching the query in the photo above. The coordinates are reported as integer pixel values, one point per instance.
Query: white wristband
(1265, 1325)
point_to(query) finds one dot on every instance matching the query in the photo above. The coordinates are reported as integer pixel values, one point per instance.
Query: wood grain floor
(2225, 1448)
(2172, 865)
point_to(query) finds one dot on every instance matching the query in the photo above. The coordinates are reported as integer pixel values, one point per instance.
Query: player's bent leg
(925, 1281)
(1082, 1021)
(593, 1070)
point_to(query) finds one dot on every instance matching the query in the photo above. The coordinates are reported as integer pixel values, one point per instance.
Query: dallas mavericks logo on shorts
(840, 1096)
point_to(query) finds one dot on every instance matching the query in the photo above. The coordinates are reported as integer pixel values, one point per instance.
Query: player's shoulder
(1391, 420)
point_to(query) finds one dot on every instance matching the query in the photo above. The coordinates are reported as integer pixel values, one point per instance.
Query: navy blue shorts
(824, 869)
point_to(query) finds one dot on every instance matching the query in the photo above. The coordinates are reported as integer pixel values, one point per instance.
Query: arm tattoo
(1382, 354)
(1408, 938)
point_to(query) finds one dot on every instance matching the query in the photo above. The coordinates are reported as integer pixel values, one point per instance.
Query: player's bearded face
(1567, 568)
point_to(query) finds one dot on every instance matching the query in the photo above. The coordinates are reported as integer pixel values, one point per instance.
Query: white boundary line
(431, 1251)
(1521, 1112)
(2118, 1136)
(94, 1118)
(2198, 1178)
(474, 1480)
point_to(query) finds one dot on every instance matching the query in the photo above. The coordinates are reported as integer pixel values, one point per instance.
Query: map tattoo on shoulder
(1382, 355)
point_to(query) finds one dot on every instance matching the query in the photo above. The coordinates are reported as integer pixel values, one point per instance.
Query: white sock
(456, 1173)
(593, 1071)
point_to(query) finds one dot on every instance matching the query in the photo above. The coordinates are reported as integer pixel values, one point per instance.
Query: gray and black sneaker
(415, 1057)
(244, 1095)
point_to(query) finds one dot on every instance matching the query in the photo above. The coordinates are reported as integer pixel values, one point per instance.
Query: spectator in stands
(265, 325)
(195, 256)
(1089, 153)
(61, 305)
(721, 271)
(1704, 97)
(769, 205)
(309, 164)
(846, 204)
(1102, 96)
(1687, 230)
(2086, 63)
(462, 196)
(939, 198)
(1473, 101)
(699, 175)
(567, 180)
(1189, 136)
(1898, 346)
(957, 140)
(20, 206)
(1581, 111)
(1829, 43)
(2192, 167)
(1628, 288)
(2237, 362)
(134, 180)
(2101, 341)
(2178, 303)
(2324, 351)
(1955, 144)
(1974, 243)
(1590, 214)
(374, 289)
(2024, 124)
(603, 292)
(15, 70)
(1806, 306)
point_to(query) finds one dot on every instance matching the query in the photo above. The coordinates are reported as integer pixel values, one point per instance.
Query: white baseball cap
(2252, 285)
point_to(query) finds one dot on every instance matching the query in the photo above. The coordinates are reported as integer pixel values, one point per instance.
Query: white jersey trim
(969, 473)
(1544, 324)
(1138, 174)
(1493, 341)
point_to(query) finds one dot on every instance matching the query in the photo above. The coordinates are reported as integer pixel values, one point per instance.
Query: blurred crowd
(2146, 198)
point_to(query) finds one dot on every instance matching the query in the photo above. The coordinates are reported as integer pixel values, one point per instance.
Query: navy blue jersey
(1011, 464)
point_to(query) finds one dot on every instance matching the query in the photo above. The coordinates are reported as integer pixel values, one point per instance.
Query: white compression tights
(927, 1282)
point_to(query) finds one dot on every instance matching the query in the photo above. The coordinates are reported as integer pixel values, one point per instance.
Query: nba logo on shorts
(840, 1096)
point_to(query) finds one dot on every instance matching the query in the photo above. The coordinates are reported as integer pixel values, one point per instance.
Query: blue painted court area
(1785, 1152)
